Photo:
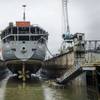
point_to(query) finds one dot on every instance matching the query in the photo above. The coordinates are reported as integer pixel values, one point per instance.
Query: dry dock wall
(80, 53)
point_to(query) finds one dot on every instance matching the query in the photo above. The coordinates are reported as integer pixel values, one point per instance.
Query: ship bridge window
(14, 30)
(38, 30)
(23, 38)
(32, 38)
(35, 38)
(23, 30)
(42, 32)
(4, 33)
(10, 38)
(8, 31)
(32, 29)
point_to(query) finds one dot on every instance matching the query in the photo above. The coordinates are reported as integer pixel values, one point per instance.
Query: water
(11, 89)
(70, 93)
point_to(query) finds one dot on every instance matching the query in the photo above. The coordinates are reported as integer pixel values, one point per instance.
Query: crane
(67, 36)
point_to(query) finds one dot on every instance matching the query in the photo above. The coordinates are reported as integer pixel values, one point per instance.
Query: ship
(23, 47)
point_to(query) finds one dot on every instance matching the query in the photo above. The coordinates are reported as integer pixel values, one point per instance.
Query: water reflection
(23, 91)
(3, 87)
(92, 94)
(70, 93)
(35, 90)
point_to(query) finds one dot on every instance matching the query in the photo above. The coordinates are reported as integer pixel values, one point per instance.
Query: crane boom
(66, 36)
(65, 14)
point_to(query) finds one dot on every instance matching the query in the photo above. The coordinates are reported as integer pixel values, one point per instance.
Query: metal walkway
(72, 73)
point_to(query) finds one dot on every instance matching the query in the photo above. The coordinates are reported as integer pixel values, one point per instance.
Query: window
(32, 29)
(9, 30)
(32, 38)
(10, 38)
(14, 30)
(35, 38)
(23, 30)
(23, 38)
(38, 30)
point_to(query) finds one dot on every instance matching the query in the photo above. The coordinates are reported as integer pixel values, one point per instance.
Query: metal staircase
(70, 74)
(75, 71)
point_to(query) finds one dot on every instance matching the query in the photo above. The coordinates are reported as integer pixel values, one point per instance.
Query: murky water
(13, 90)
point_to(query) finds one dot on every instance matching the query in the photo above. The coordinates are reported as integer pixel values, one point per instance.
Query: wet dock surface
(11, 89)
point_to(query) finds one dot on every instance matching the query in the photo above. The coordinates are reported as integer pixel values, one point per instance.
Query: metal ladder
(70, 74)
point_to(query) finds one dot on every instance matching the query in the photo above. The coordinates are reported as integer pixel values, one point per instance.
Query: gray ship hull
(31, 53)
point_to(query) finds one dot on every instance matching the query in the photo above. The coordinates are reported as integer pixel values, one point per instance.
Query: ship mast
(24, 13)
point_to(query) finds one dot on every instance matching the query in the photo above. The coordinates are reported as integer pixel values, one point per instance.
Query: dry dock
(82, 58)
(75, 71)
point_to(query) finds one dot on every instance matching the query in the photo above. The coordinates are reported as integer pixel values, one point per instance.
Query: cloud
(84, 16)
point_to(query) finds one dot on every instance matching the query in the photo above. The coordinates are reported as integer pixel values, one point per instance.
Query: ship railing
(92, 46)
(23, 35)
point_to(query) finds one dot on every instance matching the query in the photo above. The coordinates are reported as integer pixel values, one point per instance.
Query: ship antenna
(24, 14)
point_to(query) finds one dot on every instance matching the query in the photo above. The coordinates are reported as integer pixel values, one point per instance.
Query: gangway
(73, 72)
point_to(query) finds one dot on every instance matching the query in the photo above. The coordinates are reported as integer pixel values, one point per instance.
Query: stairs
(69, 75)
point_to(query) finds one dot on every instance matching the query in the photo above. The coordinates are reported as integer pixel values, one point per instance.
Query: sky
(84, 17)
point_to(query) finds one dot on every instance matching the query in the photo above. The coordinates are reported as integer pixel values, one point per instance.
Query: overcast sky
(84, 16)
